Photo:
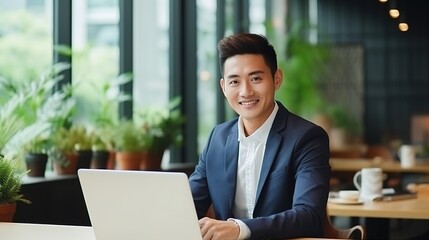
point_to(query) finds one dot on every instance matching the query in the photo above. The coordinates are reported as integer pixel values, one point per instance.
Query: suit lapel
(231, 164)
(273, 143)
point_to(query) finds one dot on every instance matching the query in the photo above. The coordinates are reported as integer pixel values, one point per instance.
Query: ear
(222, 85)
(278, 78)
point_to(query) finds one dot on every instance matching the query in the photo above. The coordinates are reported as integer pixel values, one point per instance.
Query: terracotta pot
(7, 211)
(129, 160)
(36, 163)
(111, 163)
(152, 160)
(70, 167)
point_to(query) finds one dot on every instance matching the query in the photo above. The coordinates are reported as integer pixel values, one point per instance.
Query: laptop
(144, 205)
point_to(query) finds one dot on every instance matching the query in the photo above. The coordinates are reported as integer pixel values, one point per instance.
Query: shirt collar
(261, 134)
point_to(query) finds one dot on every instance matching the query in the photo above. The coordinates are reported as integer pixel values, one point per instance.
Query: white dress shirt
(250, 157)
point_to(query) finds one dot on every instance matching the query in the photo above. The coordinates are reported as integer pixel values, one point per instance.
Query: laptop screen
(139, 204)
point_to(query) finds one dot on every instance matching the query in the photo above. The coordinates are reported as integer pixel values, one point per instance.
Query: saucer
(345, 201)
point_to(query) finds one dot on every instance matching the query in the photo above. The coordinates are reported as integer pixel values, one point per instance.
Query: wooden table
(356, 164)
(417, 208)
(378, 213)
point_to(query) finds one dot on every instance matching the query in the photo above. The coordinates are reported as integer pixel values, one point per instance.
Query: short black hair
(247, 43)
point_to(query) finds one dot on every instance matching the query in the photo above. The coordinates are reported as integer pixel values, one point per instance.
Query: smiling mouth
(249, 103)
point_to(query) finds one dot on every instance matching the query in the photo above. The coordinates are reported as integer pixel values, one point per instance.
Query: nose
(246, 89)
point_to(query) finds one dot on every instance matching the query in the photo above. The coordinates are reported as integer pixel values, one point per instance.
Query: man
(266, 173)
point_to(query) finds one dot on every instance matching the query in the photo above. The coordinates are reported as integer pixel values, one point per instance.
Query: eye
(233, 82)
(256, 79)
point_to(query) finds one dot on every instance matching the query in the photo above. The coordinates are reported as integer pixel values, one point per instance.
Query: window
(95, 58)
(19, 22)
(208, 81)
(257, 16)
(151, 60)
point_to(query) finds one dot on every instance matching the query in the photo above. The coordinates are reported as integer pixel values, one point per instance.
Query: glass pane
(229, 17)
(151, 59)
(229, 30)
(207, 69)
(25, 35)
(257, 16)
(95, 56)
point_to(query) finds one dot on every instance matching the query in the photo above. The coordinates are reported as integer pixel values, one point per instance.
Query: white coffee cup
(370, 185)
(407, 156)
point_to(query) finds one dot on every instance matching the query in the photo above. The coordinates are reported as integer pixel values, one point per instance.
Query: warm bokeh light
(394, 13)
(383, 1)
(403, 26)
(205, 75)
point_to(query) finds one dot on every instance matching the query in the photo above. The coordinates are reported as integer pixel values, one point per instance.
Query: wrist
(243, 230)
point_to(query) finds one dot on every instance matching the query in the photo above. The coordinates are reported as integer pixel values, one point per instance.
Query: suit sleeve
(199, 185)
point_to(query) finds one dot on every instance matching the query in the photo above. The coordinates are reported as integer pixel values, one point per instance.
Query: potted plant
(344, 126)
(165, 129)
(63, 151)
(105, 119)
(103, 148)
(32, 110)
(131, 142)
(36, 156)
(10, 189)
(84, 140)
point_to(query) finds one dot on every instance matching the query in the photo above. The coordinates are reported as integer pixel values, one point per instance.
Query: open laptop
(144, 205)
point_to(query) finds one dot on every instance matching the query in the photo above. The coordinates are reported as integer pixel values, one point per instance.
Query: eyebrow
(250, 74)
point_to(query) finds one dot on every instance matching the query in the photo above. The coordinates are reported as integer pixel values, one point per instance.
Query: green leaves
(10, 182)
(32, 110)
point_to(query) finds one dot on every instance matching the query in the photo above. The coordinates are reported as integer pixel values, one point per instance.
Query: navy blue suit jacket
(294, 180)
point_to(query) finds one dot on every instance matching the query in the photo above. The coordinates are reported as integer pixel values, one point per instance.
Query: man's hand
(212, 229)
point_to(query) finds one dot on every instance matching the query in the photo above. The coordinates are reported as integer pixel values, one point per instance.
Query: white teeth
(248, 103)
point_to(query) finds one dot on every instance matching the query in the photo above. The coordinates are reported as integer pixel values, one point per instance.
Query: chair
(330, 231)
(379, 152)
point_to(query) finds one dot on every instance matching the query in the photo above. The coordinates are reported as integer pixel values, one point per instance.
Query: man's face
(249, 87)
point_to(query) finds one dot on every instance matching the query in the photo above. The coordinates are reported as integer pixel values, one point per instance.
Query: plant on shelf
(100, 152)
(36, 154)
(131, 141)
(63, 151)
(84, 141)
(10, 188)
(164, 126)
(32, 110)
(104, 146)
(72, 148)
(344, 126)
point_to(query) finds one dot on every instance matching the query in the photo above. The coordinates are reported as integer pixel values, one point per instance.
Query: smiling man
(266, 173)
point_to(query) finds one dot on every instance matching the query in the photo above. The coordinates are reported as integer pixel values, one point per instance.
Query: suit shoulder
(298, 123)
(226, 127)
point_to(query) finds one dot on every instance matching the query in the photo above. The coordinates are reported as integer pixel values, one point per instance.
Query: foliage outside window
(18, 57)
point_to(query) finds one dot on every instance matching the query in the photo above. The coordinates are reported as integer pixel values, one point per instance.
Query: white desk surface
(25, 231)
